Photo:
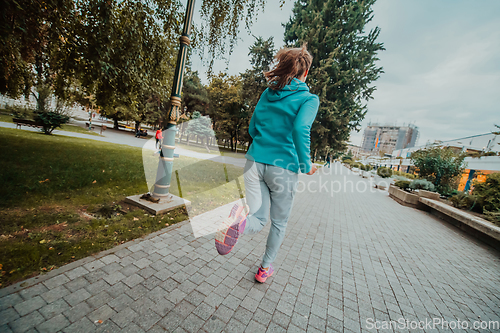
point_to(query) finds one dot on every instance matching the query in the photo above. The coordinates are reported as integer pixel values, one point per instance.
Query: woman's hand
(313, 170)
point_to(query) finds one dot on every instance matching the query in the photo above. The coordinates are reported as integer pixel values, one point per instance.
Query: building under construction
(387, 138)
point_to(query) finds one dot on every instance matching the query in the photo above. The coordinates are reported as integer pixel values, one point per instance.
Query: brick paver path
(347, 257)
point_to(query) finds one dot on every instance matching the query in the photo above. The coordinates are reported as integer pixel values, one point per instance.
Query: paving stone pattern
(346, 257)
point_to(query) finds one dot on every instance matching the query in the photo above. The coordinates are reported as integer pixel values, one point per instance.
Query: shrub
(366, 167)
(493, 217)
(404, 174)
(356, 165)
(51, 120)
(403, 184)
(384, 172)
(489, 192)
(467, 201)
(400, 178)
(422, 184)
(347, 161)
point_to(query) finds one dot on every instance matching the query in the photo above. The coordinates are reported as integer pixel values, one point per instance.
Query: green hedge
(384, 172)
(403, 184)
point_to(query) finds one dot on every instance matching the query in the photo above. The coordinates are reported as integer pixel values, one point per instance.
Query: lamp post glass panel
(164, 172)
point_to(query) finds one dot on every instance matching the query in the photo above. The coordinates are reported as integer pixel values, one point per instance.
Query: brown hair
(291, 63)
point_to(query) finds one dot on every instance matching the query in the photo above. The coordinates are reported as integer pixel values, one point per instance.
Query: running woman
(280, 128)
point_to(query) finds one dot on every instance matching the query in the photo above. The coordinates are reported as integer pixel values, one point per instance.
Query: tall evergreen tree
(194, 93)
(253, 80)
(344, 64)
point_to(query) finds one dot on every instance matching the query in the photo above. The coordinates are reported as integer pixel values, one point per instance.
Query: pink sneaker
(264, 273)
(231, 228)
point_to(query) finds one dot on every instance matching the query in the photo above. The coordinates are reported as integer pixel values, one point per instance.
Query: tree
(124, 56)
(194, 98)
(30, 34)
(253, 80)
(220, 27)
(226, 109)
(441, 166)
(343, 66)
(201, 126)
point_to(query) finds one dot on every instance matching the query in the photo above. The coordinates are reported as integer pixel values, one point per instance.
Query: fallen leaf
(95, 181)
(136, 219)
(1, 266)
(43, 241)
(12, 271)
(51, 248)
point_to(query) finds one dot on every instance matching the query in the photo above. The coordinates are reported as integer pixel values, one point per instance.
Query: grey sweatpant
(269, 192)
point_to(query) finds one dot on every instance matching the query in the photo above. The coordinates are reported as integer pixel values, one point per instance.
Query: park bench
(26, 122)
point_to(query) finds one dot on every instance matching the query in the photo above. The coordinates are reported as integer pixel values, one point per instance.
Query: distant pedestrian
(280, 128)
(159, 137)
(328, 160)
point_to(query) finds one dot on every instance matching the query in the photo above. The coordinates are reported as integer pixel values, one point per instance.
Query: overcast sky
(441, 64)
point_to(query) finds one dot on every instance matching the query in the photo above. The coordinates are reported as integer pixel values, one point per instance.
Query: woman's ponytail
(289, 63)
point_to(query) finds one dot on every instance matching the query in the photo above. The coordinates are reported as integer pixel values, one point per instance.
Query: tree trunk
(236, 143)
(115, 123)
(206, 144)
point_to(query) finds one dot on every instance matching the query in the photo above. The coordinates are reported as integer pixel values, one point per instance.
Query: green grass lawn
(61, 198)
(221, 151)
(78, 129)
(5, 118)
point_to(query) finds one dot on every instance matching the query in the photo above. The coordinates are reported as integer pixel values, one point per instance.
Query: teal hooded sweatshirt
(281, 127)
